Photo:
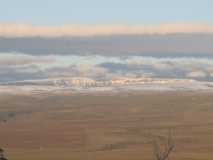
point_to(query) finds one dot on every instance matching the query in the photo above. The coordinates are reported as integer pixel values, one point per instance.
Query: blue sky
(55, 12)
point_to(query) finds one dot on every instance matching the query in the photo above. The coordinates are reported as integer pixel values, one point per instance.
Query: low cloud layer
(16, 59)
(27, 30)
(17, 67)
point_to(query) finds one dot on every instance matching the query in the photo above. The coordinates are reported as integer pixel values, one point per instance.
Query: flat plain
(119, 126)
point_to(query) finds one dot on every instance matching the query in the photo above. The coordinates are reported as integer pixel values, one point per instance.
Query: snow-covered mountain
(88, 82)
(62, 82)
(119, 84)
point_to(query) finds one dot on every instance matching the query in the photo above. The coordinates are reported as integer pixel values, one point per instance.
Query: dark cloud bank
(157, 45)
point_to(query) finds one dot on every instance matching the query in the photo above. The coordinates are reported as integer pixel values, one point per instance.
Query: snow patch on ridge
(87, 85)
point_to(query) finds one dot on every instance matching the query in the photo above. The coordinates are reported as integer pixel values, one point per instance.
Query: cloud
(27, 30)
(78, 70)
(197, 74)
(19, 73)
(17, 59)
(24, 67)
(194, 68)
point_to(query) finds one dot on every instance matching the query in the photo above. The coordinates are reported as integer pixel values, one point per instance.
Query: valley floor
(106, 126)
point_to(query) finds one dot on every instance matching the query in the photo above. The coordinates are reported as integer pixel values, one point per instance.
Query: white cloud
(16, 59)
(103, 67)
(196, 74)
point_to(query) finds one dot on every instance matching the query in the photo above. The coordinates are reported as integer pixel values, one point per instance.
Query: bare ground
(106, 127)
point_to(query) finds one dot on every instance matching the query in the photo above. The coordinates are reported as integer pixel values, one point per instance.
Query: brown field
(106, 127)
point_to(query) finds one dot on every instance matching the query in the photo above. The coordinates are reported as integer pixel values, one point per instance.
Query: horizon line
(30, 30)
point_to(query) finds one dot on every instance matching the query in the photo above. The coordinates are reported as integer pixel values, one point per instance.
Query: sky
(40, 39)
(58, 12)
